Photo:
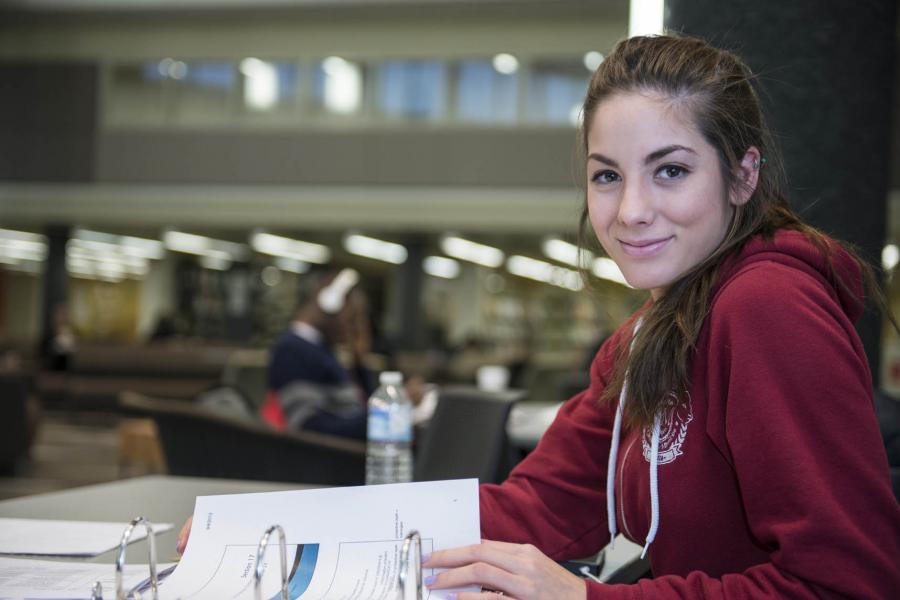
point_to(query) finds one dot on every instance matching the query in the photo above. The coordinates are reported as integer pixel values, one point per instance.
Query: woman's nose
(635, 205)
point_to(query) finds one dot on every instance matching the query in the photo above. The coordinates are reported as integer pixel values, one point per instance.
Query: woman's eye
(605, 177)
(671, 172)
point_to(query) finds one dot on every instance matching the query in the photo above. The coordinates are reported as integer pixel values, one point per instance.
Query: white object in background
(528, 421)
(492, 378)
(64, 538)
(333, 297)
(425, 409)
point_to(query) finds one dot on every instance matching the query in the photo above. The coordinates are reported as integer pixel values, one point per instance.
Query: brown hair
(715, 88)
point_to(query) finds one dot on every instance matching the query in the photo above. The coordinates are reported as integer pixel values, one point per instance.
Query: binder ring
(260, 567)
(120, 561)
(97, 591)
(413, 536)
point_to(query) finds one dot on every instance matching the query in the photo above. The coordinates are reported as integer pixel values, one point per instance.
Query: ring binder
(97, 590)
(120, 561)
(413, 536)
(260, 552)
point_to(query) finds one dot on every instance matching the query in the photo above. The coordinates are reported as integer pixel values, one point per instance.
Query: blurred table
(528, 421)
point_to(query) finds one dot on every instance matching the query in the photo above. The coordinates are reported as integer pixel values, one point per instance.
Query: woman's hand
(183, 536)
(518, 571)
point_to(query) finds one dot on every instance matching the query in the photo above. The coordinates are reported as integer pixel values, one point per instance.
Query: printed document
(342, 543)
(47, 579)
(66, 538)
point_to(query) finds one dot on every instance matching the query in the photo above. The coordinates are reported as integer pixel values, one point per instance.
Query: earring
(755, 164)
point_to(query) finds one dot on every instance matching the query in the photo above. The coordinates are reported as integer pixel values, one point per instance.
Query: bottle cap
(391, 378)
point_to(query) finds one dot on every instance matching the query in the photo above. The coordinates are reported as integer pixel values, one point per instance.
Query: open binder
(411, 543)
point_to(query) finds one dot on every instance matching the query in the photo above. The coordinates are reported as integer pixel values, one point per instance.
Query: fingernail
(425, 558)
(451, 596)
(429, 580)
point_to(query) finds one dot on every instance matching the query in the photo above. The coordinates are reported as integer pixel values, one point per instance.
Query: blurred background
(172, 171)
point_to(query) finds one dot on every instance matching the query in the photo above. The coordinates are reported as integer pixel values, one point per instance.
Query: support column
(56, 280)
(406, 310)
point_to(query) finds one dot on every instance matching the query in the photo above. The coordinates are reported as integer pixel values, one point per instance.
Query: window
(269, 87)
(412, 89)
(555, 91)
(205, 90)
(338, 87)
(484, 94)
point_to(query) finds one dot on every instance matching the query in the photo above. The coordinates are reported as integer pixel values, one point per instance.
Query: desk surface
(161, 499)
(167, 499)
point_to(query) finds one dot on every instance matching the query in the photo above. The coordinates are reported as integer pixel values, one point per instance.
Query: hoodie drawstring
(611, 468)
(654, 487)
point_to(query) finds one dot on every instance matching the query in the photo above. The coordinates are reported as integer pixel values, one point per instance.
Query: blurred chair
(18, 419)
(246, 370)
(198, 442)
(467, 436)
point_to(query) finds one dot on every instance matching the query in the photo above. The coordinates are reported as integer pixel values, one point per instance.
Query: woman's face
(655, 195)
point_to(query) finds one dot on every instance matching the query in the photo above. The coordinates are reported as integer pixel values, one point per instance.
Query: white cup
(492, 378)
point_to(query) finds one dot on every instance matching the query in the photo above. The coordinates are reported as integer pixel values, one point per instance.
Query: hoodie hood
(833, 266)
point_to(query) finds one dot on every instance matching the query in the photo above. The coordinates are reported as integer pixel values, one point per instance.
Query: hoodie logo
(672, 430)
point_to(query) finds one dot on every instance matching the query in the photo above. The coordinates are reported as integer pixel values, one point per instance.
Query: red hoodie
(773, 480)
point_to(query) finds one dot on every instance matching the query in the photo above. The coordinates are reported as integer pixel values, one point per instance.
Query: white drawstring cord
(611, 467)
(654, 486)
(614, 452)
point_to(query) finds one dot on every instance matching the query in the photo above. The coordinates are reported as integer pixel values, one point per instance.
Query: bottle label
(390, 425)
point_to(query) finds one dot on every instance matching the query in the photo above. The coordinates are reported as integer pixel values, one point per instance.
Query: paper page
(32, 579)
(343, 543)
(66, 538)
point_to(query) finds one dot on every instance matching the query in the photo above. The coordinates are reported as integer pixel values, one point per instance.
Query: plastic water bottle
(389, 448)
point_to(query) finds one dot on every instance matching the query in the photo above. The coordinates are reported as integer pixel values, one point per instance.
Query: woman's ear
(747, 176)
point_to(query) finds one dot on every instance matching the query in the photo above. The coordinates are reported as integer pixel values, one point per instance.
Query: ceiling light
(18, 246)
(343, 85)
(98, 241)
(291, 265)
(890, 256)
(539, 270)
(480, 254)
(216, 260)
(260, 84)
(369, 247)
(606, 268)
(506, 64)
(190, 243)
(564, 252)
(276, 245)
(439, 266)
(592, 60)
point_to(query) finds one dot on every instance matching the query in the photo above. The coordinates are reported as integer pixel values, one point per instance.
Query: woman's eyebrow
(657, 154)
(653, 156)
(599, 157)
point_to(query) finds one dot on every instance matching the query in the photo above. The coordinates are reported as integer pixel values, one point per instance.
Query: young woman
(729, 425)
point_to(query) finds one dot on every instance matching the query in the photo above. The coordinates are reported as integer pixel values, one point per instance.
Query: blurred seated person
(59, 342)
(308, 387)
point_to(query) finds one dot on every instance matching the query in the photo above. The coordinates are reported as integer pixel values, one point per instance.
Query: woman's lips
(645, 248)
